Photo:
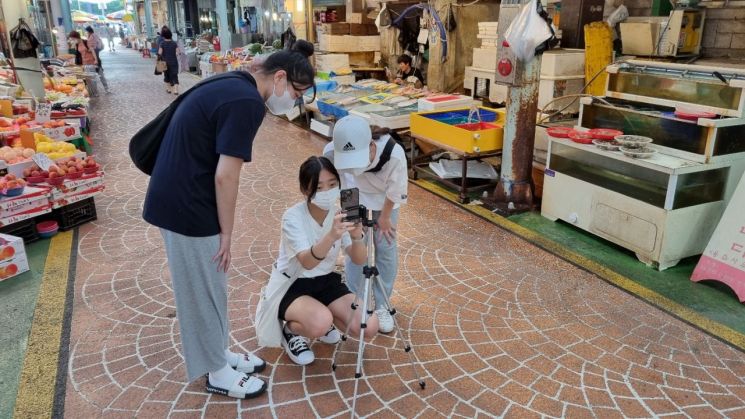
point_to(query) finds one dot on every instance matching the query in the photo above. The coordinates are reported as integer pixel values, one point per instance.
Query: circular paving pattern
(499, 326)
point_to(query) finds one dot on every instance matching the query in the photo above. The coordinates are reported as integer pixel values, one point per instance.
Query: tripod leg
(361, 348)
(350, 318)
(399, 334)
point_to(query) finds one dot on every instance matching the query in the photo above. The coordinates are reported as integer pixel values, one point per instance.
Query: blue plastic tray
(461, 117)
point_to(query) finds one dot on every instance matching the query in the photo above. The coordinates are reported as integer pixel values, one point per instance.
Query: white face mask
(326, 200)
(280, 105)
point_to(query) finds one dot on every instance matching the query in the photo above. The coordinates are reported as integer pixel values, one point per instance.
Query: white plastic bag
(527, 32)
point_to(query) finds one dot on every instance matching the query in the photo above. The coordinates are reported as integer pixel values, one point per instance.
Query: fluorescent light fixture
(299, 5)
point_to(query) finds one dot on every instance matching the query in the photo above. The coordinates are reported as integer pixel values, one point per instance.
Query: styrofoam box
(391, 122)
(563, 63)
(332, 62)
(485, 58)
(444, 102)
(323, 128)
(553, 87)
(497, 92)
(344, 80)
(348, 43)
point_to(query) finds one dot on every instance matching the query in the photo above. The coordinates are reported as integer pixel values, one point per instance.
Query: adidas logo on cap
(348, 147)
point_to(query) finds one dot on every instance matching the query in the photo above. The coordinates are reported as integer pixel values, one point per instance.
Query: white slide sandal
(244, 387)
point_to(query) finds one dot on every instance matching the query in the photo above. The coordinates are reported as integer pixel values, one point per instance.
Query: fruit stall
(48, 178)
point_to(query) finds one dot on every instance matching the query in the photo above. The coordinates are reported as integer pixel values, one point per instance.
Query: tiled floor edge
(715, 329)
(36, 388)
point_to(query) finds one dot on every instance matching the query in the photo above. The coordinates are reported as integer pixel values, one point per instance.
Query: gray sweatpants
(201, 301)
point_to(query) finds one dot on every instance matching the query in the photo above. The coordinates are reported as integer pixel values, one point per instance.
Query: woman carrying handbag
(168, 54)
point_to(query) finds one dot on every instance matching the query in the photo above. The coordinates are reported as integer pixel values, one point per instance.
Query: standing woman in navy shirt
(192, 197)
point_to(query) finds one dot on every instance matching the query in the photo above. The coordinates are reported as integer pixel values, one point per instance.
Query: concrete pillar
(149, 18)
(515, 184)
(172, 15)
(222, 25)
(66, 16)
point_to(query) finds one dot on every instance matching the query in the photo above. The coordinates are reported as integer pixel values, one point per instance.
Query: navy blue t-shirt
(221, 117)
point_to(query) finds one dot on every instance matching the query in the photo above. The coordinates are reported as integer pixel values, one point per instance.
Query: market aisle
(501, 326)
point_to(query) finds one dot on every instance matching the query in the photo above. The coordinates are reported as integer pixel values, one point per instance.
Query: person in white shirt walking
(372, 161)
(110, 34)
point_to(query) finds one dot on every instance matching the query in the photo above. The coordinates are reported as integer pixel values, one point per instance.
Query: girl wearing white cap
(373, 162)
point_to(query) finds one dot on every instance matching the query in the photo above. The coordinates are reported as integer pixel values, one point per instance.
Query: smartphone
(350, 203)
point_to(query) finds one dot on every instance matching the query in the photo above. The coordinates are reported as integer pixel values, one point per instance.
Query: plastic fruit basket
(33, 180)
(14, 191)
(55, 181)
(91, 170)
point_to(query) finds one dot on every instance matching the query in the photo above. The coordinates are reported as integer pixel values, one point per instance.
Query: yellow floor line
(37, 384)
(714, 328)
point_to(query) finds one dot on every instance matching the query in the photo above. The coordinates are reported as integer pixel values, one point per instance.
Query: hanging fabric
(384, 17)
(23, 41)
(450, 23)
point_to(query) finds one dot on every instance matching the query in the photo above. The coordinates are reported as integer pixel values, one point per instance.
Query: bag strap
(384, 157)
(230, 75)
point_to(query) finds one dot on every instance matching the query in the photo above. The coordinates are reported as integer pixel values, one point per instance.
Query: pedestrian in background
(95, 44)
(169, 52)
(112, 34)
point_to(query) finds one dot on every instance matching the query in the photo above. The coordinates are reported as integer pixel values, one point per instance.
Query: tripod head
(359, 213)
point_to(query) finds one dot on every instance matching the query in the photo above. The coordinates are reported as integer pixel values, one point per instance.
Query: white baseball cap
(352, 137)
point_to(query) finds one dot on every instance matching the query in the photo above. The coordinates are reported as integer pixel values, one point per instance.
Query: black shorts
(326, 289)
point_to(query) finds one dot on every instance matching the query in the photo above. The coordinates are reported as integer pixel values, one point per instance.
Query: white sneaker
(331, 337)
(297, 348)
(385, 321)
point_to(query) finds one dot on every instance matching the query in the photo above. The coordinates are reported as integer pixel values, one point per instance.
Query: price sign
(44, 112)
(724, 257)
(42, 160)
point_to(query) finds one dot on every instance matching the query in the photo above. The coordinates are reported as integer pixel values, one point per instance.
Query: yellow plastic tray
(467, 141)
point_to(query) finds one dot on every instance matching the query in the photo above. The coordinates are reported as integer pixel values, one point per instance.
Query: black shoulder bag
(145, 144)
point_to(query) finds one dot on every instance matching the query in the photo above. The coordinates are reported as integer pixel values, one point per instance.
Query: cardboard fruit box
(71, 191)
(27, 214)
(32, 198)
(13, 259)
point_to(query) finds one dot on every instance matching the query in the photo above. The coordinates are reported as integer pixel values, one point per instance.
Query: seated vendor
(407, 74)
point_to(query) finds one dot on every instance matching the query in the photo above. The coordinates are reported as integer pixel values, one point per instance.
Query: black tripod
(371, 275)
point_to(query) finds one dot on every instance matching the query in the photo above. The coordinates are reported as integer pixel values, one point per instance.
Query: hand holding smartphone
(350, 204)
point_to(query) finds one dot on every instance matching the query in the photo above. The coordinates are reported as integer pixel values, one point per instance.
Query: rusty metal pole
(515, 187)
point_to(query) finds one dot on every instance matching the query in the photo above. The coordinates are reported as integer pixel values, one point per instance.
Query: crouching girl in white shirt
(304, 291)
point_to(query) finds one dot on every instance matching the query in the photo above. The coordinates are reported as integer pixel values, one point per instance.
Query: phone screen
(350, 199)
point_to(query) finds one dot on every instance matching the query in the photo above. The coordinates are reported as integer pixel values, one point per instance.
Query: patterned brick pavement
(500, 326)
